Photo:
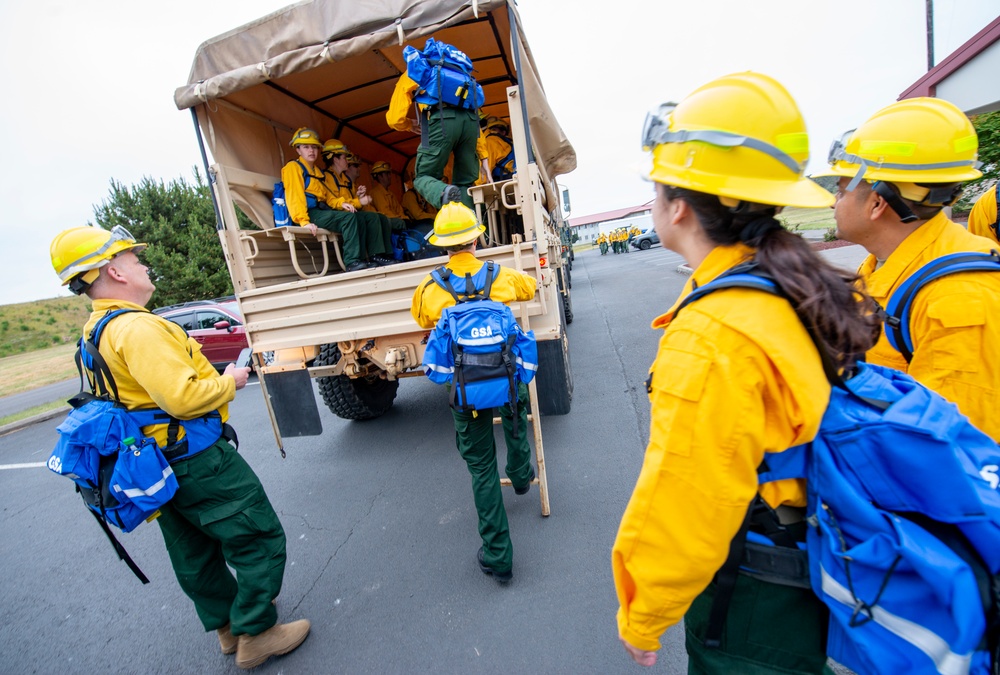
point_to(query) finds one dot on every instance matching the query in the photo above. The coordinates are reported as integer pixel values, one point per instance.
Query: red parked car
(216, 324)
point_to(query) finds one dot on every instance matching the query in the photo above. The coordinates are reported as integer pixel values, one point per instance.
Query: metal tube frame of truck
(332, 66)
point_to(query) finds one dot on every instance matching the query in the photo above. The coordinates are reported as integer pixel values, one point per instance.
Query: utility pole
(930, 33)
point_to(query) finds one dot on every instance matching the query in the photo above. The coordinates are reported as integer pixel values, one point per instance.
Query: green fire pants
(477, 445)
(219, 518)
(449, 131)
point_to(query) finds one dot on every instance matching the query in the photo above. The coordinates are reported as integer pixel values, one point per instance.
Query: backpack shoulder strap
(88, 356)
(492, 272)
(749, 275)
(442, 277)
(306, 176)
(897, 310)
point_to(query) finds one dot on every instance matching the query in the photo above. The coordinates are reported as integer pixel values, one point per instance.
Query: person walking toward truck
(220, 516)
(456, 229)
(736, 375)
(897, 172)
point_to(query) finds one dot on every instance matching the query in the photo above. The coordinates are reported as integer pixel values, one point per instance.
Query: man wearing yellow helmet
(457, 230)
(897, 172)
(499, 150)
(736, 375)
(312, 204)
(220, 516)
(382, 198)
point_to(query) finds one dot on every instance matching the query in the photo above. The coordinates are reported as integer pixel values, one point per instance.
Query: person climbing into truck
(439, 82)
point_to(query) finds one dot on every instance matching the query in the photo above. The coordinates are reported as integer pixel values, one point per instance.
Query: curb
(28, 421)
(684, 268)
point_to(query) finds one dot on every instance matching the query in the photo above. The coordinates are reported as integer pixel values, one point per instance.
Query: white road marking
(32, 465)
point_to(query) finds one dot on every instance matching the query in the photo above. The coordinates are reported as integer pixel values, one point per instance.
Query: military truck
(332, 66)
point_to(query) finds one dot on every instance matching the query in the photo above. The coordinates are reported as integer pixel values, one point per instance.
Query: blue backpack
(410, 245)
(282, 217)
(123, 476)
(903, 523)
(443, 75)
(477, 345)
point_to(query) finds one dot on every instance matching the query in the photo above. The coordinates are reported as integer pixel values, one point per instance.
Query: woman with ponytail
(736, 375)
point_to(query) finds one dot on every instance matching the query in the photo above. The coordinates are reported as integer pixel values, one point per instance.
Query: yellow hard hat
(454, 225)
(79, 252)
(916, 140)
(496, 122)
(380, 167)
(353, 159)
(335, 147)
(741, 137)
(305, 136)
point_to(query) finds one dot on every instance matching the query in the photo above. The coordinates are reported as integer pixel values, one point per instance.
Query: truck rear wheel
(364, 398)
(555, 378)
(567, 300)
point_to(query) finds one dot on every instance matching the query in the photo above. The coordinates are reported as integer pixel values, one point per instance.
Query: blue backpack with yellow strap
(903, 523)
(443, 75)
(478, 346)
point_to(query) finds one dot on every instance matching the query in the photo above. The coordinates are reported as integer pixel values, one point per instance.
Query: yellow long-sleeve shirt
(984, 215)
(385, 202)
(496, 149)
(295, 189)
(955, 321)
(736, 375)
(155, 364)
(429, 299)
(416, 207)
(339, 186)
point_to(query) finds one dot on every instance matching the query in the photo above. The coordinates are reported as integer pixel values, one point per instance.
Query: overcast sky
(89, 89)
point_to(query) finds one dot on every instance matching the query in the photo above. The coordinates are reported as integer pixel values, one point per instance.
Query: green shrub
(830, 234)
(24, 327)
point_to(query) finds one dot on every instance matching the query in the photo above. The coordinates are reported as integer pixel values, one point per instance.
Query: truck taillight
(543, 261)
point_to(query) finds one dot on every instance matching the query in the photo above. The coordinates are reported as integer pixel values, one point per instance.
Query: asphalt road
(381, 530)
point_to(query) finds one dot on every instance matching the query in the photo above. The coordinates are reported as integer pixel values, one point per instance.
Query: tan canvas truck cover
(243, 81)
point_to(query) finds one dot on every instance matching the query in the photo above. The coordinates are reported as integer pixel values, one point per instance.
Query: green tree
(988, 128)
(177, 220)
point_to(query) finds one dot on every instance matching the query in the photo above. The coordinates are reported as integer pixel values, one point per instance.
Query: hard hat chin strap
(895, 202)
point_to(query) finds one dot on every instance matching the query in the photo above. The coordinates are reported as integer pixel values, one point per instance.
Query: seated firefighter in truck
(376, 229)
(312, 204)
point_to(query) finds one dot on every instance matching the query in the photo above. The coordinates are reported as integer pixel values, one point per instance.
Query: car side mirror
(220, 325)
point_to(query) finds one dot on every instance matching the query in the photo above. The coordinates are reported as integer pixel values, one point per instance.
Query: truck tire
(644, 244)
(566, 315)
(555, 378)
(364, 398)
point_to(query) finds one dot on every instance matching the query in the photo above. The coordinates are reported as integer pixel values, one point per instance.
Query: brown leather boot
(281, 638)
(227, 640)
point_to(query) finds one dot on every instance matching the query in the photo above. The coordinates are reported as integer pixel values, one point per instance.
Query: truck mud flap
(293, 402)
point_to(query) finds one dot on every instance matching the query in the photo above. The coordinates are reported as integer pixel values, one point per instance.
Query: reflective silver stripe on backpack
(945, 661)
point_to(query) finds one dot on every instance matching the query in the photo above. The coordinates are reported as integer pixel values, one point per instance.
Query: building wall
(589, 232)
(973, 88)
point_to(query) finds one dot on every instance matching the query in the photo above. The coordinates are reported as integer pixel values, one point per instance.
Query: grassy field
(797, 219)
(31, 370)
(31, 326)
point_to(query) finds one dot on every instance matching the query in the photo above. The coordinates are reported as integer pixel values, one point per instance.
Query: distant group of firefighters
(618, 239)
